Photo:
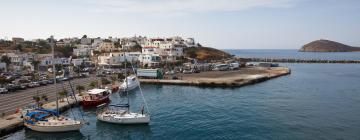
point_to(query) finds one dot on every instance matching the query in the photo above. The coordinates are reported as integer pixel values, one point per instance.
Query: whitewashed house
(117, 58)
(151, 60)
(85, 41)
(107, 47)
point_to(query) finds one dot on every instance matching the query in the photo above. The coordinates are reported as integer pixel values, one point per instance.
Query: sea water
(316, 101)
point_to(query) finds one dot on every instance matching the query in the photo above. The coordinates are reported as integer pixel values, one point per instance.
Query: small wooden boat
(95, 97)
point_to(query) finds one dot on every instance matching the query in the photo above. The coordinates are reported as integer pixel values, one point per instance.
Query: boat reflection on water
(115, 131)
(73, 135)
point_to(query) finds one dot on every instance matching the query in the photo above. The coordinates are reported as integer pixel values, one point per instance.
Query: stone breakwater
(290, 60)
(238, 78)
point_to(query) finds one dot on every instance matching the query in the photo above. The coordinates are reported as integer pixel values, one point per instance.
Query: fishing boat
(42, 120)
(120, 113)
(95, 97)
(129, 83)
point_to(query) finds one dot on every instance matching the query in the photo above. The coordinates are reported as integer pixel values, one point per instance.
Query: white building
(118, 58)
(3, 66)
(79, 61)
(151, 60)
(107, 47)
(190, 42)
(17, 40)
(82, 52)
(150, 50)
(85, 41)
(97, 42)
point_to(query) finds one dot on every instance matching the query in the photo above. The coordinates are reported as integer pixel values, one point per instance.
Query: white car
(3, 91)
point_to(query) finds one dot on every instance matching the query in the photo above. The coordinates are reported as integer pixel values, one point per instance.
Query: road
(21, 98)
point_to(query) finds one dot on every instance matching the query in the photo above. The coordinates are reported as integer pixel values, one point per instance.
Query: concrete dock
(294, 60)
(14, 122)
(237, 78)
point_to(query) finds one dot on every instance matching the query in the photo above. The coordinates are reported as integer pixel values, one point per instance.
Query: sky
(223, 24)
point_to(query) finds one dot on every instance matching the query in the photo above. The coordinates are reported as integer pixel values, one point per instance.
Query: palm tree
(44, 97)
(80, 88)
(35, 64)
(37, 99)
(62, 94)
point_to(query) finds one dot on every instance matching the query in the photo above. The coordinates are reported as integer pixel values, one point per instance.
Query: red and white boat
(96, 97)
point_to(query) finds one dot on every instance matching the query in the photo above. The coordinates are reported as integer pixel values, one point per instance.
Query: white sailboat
(43, 120)
(120, 113)
(130, 83)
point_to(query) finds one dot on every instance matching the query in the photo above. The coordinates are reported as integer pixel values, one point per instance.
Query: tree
(95, 52)
(84, 36)
(104, 81)
(120, 76)
(3, 80)
(80, 88)
(44, 97)
(66, 51)
(62, 94)
(19, 47)
(35, 64)
(37, 99)
(93, 84)
(114, 79)
(6, 60)
(192, 54)
(58, 67)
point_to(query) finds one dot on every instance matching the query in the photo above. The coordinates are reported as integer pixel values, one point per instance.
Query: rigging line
(67, 99)
(76, 101)
(142, 95)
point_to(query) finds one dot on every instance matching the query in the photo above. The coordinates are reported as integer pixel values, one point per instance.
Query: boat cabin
(96, 94)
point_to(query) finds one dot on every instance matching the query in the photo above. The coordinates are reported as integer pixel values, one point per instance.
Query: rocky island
(327, 46)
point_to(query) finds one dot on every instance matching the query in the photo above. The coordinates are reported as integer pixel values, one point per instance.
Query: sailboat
(120, 113)
(43, 120)
(131, 82)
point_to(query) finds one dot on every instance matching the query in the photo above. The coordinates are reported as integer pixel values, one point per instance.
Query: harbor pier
(235, 78)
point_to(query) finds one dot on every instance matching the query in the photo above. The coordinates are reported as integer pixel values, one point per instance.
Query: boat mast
(54, 71)
(126, 82)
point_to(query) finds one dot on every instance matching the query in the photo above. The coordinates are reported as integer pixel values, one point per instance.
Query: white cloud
(184, 6)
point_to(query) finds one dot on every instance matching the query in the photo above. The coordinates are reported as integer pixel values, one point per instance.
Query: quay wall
(290, 60)
(14, 122)
(219, 82)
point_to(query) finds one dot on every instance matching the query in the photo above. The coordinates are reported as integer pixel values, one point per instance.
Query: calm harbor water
(317, 101)
(295, 54)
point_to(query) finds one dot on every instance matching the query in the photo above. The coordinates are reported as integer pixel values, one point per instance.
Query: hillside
(205, 53)
(327, 46)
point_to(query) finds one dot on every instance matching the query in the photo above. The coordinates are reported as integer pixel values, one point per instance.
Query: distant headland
(327, 46)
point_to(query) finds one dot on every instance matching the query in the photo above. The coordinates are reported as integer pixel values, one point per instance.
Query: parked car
(11, 87)
(188, 71)
(35, 84)
(221, 67)
(3, 91)
(196, 70)
(51, 81)
(83, 75)
(65, 79)
(30, 85)
(23, 86)
(234, 66)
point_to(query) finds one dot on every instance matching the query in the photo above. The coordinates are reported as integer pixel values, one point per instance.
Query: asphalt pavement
(12, 101)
